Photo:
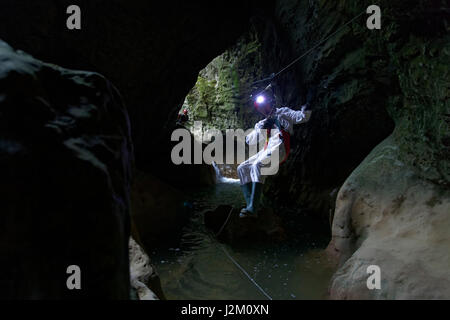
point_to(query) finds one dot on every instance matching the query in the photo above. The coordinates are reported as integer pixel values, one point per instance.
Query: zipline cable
(265, 79)
(316, 45)
(225, 223)
(275, 75)
(234, 260)
(245, 273)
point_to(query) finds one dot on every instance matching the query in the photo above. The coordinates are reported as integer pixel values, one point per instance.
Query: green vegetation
(220, 98)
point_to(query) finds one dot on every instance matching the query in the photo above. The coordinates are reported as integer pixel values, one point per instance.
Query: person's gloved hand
(303, 109)
(306, 113)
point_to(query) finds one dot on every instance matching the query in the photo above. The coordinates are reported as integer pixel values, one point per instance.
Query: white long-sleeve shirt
(286, 117)
(251, 169)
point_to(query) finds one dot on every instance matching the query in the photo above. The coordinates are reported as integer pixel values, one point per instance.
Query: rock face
(185, 175)
(361, 84)
(387, 215)
(157, 210)
(220, 97)
(393, 210)
(144, 280)
(65, 157)
(341, 79)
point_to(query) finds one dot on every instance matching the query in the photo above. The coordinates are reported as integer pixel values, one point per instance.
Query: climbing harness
(234, 260)
(284, 136)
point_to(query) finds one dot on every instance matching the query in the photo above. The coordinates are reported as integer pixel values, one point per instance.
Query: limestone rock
(143, 277)
(65, 157)
(157, 210)
(220, 97)
(393, 210)
(387, 215)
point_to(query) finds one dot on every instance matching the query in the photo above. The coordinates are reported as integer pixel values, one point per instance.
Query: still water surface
(199, 269)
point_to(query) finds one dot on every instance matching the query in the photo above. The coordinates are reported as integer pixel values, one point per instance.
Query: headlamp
(260, 99)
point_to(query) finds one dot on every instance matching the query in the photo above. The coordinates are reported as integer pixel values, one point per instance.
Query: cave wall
(389, 216)
(378, 134)
(65, 166)
(151, 50)
(360, 85)
(392, 211)
(347, 81)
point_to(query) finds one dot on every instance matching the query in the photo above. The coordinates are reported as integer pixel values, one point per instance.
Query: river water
(199, 269)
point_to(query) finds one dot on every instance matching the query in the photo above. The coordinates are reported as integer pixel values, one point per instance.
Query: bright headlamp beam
(260, 99)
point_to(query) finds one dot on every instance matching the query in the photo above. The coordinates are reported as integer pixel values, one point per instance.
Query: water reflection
(198, 269)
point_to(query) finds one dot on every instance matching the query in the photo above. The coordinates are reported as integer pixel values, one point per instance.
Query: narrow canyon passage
(294, 268)
(87, 119)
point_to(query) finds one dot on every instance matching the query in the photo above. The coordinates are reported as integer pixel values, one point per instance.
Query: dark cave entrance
(220, 99)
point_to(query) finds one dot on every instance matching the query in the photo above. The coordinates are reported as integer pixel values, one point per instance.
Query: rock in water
(387, 215)
(65, 154)
(157, 210)
(228, 227)
(144, 279)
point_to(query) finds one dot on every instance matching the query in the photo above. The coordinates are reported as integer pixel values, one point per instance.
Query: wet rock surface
(65, 158)
(387, 215)
(157, 210)
(144, 280)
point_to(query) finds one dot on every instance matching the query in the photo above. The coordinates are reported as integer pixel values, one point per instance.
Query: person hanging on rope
(275, 128)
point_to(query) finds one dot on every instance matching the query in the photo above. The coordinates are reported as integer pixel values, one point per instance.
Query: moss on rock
(220, 97)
